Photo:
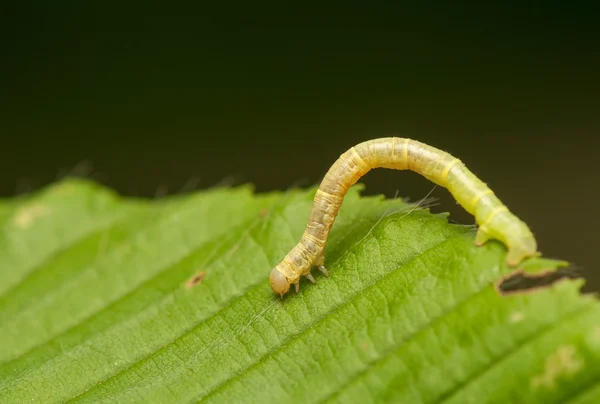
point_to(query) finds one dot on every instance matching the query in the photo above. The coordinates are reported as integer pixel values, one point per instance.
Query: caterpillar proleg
(494, 219)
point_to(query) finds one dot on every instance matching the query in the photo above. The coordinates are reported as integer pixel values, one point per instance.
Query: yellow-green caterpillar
(494, 219)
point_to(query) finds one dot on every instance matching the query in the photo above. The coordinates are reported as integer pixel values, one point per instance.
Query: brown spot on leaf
(195, 280)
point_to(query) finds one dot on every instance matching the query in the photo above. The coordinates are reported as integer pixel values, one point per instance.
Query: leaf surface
(112, 299)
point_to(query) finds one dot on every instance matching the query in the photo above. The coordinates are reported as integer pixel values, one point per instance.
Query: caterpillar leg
(320, 264)
(310, 277)
(323, 269)
(481, 237)
(513, 233)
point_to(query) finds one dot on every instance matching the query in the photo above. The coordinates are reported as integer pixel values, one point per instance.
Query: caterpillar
(494, 219)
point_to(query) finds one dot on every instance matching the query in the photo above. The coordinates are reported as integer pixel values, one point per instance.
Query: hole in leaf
(523, 282)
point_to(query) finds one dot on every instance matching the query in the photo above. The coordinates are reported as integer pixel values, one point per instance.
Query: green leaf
(98, 304)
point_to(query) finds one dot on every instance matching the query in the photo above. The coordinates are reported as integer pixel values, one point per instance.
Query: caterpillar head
(279, 282)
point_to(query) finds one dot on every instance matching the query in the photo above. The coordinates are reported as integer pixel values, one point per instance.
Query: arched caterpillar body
(494, 219)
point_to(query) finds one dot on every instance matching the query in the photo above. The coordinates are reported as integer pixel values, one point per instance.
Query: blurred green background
(155, 98)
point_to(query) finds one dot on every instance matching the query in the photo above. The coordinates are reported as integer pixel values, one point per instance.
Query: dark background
(155, 98)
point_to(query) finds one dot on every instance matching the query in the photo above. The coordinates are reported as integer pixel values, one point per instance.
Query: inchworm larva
(494, 219)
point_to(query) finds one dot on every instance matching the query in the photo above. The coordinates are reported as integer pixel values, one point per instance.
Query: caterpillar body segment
(494, 219)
